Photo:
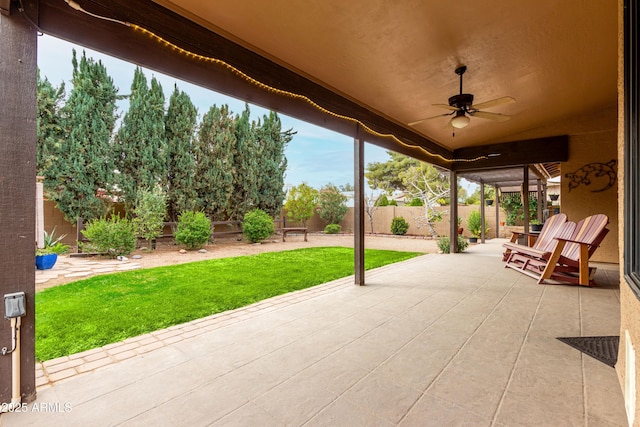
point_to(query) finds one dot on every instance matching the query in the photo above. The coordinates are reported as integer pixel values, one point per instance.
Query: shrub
(475, 224)
(257, 225)
(416, 201)
(114, 236)
(444, 244)
(399, 226)
(193, 229)
(332, 229)
(150, 210)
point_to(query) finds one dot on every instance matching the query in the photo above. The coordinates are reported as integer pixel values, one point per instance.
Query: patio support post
(497, 203)
(453, 212)
(525, 197)
(540, 199)
(18, 189)
(482, 212)
(358, 209)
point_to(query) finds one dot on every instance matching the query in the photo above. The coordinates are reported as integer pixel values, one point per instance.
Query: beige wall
(584, 200)
(54, 218)
(629, 303)
(385, 214)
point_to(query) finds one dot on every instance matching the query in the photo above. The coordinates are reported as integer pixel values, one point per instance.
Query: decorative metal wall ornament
(588, 172)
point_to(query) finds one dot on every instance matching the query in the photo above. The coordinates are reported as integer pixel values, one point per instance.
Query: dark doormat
(604, 349)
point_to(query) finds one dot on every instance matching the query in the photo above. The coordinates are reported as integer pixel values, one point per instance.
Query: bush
(150, 210)
(332, 229)
(399, 226)
(444, 244)
(193, 229)
(416, 201)
(475, 224)
(115, 236)
(257, 225)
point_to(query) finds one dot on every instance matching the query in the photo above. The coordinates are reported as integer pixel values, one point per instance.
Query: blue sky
(316, 155)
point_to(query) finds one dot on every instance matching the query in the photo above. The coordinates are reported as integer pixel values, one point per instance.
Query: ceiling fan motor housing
(463, 101)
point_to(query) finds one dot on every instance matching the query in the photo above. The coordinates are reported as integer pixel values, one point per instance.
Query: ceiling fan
(462, 107)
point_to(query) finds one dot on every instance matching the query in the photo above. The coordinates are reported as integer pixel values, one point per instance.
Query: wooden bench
(234, 229)
(294, 230)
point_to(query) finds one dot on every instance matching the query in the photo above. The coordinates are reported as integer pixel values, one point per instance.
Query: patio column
(540, 199)
(482, 203)
(358, 209)
(497, 203)
(18, 190)
(453, 212)
(525, 197)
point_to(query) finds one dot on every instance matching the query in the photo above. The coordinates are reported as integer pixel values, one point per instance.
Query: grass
(104, 309)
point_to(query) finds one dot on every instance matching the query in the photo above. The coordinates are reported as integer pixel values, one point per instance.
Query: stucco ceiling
(558, 59)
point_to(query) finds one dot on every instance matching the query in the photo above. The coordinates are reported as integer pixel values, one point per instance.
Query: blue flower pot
(46, 262)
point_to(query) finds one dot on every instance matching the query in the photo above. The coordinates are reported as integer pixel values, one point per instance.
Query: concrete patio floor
(439, 340)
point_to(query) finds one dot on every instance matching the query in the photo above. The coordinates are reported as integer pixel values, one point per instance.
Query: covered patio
(437, 340)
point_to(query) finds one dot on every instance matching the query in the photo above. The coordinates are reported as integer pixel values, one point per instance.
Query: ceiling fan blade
(494, 103)
(447, 107)
(491, 116)
(428, 118)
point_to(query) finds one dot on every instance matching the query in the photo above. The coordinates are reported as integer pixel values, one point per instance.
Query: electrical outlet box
(14, 305)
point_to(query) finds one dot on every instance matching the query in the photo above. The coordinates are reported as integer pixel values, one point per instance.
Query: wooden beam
(5, 7)
(515, 153)
(60, 20)
(358, 210)
(18, 46)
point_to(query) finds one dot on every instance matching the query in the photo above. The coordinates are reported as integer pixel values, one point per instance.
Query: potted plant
(460, 229)
(47, 256)
(536, 226)
(475, 226)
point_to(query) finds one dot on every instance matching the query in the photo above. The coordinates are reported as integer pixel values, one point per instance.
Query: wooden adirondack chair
(568, 260)
(540, 241)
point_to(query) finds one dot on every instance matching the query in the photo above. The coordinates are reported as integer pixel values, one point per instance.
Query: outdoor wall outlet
(14, 305)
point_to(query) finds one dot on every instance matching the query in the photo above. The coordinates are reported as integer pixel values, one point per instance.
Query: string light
(267, 87)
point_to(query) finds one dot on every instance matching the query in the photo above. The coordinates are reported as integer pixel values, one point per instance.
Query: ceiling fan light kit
(460, 120)
(462, 106)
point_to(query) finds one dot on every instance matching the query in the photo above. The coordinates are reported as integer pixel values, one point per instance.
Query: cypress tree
(180, 123)
(83, 168)
(140, 141)
(245, 189)
(271, 163)
(214, 162)
(49, 122)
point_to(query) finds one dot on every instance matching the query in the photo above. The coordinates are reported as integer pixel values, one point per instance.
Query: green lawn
(104, 309)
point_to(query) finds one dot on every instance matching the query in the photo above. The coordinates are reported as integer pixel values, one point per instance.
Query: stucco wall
(385, 214)
(629, 303)
(587, 152)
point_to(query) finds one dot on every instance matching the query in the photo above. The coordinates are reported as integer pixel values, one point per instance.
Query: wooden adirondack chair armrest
(572, 241)
(531, 237)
